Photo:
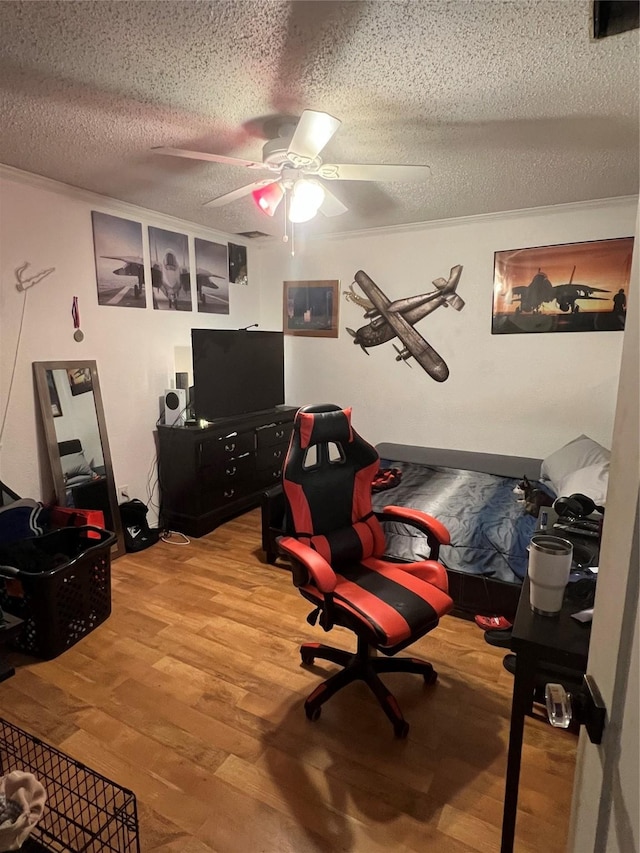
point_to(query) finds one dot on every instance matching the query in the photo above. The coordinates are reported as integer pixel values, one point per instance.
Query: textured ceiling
(510, 103)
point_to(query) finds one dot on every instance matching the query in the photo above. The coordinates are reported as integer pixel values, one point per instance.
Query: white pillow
(75, 465)
(591, 481)
(577, 454)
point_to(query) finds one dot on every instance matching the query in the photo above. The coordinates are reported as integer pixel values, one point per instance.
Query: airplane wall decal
(530, 297)
(389, 320)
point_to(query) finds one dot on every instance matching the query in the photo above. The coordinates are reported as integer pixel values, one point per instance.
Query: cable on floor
(168, 537)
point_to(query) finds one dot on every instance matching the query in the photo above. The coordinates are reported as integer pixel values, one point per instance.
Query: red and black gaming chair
(336, 544)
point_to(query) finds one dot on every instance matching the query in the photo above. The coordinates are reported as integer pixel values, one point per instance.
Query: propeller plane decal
(389, 320)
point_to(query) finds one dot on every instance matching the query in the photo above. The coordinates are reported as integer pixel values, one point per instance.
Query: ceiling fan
(297, 170)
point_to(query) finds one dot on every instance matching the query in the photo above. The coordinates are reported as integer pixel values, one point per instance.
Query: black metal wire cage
(84, 813)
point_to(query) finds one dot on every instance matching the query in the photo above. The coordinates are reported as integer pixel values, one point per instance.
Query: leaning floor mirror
(77, 443)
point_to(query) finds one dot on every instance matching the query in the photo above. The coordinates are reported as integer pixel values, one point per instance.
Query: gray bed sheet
(488, 526)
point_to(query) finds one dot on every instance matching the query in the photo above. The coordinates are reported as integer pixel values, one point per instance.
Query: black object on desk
(536, 640)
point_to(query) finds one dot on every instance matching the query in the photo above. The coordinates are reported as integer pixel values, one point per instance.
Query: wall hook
(25, 283)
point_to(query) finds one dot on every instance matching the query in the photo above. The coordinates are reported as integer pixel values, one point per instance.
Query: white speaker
(175, 406)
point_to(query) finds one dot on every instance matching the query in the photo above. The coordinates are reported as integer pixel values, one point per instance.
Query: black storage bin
(84, 810)
(61, 605)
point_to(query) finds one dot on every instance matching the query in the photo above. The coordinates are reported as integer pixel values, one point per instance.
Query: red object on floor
(492, 623)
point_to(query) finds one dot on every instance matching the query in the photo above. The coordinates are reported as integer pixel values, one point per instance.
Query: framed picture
(238, 272)
(56, 408)
(572, 287)
(311, 308)
(117, 245)
(80, 380)
(212, 281)
(170, 270)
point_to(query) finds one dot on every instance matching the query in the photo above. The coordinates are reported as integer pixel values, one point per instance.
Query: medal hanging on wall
(78, 334)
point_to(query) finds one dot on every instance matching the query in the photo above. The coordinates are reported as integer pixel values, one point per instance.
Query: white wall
(49, 225)
(515, 394)
(520, 394)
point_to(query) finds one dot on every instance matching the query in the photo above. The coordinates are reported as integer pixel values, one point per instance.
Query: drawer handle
(280, 433)
(231, 471)
(230, 447)
(277, 454)
(276, 474)
(229, 493)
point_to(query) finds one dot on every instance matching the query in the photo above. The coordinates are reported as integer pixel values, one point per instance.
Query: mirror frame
(40, 369)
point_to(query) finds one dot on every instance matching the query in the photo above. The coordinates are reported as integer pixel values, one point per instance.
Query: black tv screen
(236, 372)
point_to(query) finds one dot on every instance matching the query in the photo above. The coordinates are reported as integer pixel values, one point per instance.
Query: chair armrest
(321, 572)
(436, 533)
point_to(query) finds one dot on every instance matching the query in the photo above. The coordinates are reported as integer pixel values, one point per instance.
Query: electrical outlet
(123, 494)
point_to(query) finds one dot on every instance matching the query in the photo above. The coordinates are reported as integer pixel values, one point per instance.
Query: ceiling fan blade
(312, 133)
(331, 205)
(236, 194)
(213, 158)
(372, 172)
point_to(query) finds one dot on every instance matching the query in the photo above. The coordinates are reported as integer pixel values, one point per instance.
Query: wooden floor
(191, 695)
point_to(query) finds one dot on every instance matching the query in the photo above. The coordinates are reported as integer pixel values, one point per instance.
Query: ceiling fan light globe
(268, 198)
(306, 198)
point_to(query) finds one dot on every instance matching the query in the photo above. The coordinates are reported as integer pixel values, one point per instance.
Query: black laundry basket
(60, 605)
(84, 812)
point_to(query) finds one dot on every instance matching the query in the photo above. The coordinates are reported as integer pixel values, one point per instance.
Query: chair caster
(431, 677)
(401, 729)
(307, 656)
(313, 713)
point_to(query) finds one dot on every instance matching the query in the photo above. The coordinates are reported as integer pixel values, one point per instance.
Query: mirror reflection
(74, 424)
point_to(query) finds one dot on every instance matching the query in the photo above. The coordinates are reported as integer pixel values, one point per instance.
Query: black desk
(536, 640)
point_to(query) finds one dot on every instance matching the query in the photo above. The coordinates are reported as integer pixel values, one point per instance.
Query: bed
(473, 495)
(83, 480)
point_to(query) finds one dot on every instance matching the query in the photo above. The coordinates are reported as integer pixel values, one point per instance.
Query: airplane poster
(119, 261)
(212, 281)
(572, 287)
(170, 276)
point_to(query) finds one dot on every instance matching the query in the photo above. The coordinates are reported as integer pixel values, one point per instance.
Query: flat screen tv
(236, 372)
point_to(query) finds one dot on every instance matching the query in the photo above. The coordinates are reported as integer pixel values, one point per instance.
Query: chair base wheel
(306, 656)
(430, 677)
(312, 713)
(401, 730)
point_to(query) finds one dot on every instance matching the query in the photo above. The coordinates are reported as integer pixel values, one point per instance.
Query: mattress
(489, 528)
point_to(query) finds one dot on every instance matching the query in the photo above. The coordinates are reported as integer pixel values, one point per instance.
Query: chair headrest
(320, 427)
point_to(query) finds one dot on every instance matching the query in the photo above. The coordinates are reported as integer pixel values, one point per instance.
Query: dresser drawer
(269, 457)
(267, 477)
(273, 434)
(229, 480)
(217, 451)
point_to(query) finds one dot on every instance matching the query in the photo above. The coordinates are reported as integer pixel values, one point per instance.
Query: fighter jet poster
(573, 287)
(212, 280)
(119, 263)
(170, 276)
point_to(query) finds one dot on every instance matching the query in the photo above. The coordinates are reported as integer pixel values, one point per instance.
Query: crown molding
(477, 218)
(106, 204)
